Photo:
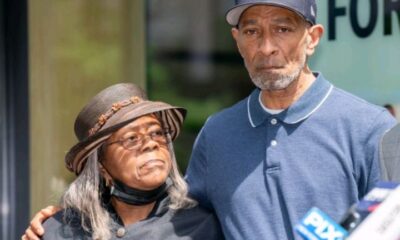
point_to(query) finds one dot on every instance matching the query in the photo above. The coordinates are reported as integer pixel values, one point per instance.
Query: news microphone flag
(316, 225)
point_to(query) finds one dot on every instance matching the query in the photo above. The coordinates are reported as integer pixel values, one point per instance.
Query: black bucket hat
(111, 109)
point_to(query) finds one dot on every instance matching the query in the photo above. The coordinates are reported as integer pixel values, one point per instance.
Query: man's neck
(282, 99)
(130, 214)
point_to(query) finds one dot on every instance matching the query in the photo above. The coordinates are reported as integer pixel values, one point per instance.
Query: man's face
(273, 43)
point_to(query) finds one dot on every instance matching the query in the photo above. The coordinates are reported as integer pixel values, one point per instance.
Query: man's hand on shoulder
(35, 229)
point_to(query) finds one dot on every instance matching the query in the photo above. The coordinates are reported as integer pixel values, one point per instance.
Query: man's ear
(235, 35)
(314, 35)
(107, 177)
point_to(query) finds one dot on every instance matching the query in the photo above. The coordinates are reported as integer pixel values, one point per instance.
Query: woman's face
(138, 155)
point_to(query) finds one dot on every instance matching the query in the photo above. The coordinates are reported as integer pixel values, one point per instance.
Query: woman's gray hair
(178, 192)
(83, 196)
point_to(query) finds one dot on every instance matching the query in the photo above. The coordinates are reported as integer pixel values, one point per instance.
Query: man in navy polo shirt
(294, 143)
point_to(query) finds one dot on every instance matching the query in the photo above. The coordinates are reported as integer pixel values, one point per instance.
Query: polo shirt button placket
(273, 122)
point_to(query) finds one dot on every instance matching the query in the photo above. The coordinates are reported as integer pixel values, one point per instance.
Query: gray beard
(275, 81)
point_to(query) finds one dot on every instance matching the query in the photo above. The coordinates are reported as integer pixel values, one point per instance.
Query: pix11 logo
(316, 225)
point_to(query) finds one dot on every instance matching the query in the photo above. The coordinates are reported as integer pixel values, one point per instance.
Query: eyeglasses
(135, 140)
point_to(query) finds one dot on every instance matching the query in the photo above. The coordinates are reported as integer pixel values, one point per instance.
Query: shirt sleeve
(390, 155)
(380, 124)
(196, 173)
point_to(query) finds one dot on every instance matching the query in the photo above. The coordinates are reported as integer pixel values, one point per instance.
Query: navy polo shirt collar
(306, 105)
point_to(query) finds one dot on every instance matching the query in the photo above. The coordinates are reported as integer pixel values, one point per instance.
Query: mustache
(265, 63)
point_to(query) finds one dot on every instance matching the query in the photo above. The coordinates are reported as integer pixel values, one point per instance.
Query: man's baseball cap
(305, 8)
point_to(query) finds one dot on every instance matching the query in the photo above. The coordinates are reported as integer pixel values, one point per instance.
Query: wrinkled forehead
(270, 13)
(142, 122)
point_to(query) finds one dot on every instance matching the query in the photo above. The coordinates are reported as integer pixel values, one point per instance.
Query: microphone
(383, 223)
(375, 217)
(360, 211)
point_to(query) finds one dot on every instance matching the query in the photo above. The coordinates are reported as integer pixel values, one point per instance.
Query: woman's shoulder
(64, 225)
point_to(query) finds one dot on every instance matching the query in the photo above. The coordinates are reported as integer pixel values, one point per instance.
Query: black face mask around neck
(134, 196)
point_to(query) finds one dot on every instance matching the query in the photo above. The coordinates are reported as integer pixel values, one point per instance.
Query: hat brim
(170, 116)
(233, 15)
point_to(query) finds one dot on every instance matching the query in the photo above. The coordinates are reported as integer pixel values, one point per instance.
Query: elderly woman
(128, 185)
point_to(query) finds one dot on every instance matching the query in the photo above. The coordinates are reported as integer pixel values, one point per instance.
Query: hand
(35, 229)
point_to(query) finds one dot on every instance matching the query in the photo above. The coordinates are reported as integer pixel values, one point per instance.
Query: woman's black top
(163, 223)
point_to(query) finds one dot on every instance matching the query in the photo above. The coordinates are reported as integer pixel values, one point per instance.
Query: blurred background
(56, 54)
